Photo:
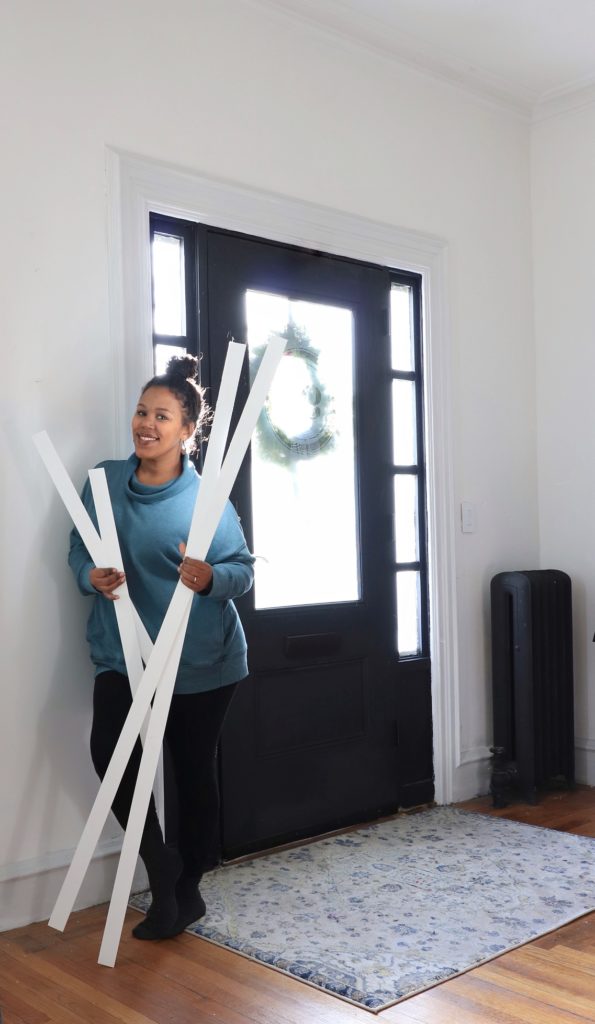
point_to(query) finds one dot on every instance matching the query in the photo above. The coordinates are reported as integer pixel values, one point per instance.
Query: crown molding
(453, 72)
(343, 29)
(564, 101)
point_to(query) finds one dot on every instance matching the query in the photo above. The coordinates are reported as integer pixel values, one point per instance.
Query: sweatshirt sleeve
(79, 558)
(230, 559)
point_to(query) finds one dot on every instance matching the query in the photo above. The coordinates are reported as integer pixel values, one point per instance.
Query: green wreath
(274, 443)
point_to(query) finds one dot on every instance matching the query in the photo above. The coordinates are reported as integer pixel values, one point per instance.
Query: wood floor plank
(241, 990)
(10, 1016)
(57, 1002)
(473, 1000)
(265, 996)
(564, 957)
(282, 994)
(567, 811)
(572, 992)
(38, 968)
(141, 991)
(272, 995)
(15, 1010)
(579, 934)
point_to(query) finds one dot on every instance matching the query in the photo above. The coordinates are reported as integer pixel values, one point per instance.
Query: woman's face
(158, 424)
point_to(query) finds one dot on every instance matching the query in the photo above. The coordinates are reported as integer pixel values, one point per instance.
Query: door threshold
(308, 840)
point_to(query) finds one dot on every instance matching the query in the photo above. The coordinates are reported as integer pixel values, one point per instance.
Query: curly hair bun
(183, 366)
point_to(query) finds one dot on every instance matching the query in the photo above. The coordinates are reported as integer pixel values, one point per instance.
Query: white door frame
(138, 186)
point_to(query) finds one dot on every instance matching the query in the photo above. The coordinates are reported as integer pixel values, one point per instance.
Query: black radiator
(532, 678)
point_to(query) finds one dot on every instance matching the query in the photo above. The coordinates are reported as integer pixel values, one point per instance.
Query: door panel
(311, 740)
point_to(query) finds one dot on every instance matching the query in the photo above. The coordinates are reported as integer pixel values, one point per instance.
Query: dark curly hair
(181, 378)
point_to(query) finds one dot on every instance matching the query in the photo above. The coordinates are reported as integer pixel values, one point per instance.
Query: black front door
(333, 726)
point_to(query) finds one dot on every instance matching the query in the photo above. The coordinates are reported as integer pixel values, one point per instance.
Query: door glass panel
(169, 293)
(401, 328)
(404, 423)
(163, 354)
(408, 613)
(303, 476)
(406, 525)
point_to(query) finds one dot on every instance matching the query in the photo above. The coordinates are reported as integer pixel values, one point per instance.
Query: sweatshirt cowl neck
(148, 493)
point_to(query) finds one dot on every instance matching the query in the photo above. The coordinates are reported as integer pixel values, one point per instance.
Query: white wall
(222, 87)
(563, 160)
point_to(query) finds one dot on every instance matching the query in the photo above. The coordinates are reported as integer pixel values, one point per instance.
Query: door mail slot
(314, 645)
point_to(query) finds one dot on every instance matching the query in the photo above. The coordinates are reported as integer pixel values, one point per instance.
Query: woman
(153, 495)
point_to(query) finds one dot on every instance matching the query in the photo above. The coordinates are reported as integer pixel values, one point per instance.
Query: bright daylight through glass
(168, 285)
(303, 457)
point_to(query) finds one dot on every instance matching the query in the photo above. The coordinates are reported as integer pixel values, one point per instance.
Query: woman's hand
(106, 581)
(194, 574)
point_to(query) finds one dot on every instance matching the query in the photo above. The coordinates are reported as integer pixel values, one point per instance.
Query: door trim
(137, 187)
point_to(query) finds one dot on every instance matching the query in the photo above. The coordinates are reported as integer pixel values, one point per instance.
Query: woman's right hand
(106, 581)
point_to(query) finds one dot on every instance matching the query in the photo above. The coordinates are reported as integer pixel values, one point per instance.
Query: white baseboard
(472, 774)
(474, 754)
(29, 889)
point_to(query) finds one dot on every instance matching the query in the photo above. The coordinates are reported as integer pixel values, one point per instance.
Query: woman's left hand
(194, 574)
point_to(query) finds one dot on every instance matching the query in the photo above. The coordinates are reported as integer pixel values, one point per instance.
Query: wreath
(307, 401)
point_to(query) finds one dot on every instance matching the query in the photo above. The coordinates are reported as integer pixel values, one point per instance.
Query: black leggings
(192, 732)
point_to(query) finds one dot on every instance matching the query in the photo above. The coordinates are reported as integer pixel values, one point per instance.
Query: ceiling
(524, 53)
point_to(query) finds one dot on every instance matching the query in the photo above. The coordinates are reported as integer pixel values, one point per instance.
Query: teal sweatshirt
(151, 522)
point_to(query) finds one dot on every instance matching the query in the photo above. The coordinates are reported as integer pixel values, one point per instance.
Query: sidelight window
(410, 546)
(174, 289)
(408, 468)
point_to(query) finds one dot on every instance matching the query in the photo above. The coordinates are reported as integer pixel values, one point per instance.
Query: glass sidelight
(303, 469)
(409, 479)
(174, 289)
(169, 294)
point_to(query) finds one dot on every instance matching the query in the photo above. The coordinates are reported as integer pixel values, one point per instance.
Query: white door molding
(136, 187)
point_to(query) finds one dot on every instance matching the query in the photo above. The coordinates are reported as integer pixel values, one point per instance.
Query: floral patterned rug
(379, 914)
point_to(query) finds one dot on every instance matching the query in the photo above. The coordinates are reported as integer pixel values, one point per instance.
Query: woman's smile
(147, 438)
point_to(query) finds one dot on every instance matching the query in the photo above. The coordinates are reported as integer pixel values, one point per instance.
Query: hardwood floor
(47, 977)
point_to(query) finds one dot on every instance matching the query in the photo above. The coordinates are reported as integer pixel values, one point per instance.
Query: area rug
(379, 914)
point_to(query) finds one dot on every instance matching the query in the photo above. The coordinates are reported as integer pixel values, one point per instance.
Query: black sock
(163, 866)
(191, 906)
